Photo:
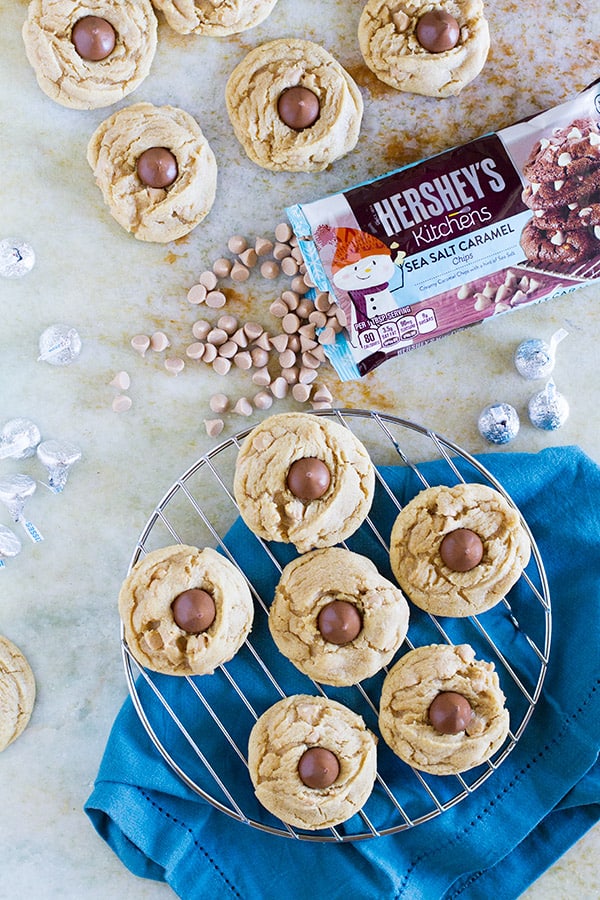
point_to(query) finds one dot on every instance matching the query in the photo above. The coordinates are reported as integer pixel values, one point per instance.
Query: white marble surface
(58, 598)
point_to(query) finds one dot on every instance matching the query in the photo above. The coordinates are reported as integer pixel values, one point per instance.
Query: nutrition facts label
(397, 331)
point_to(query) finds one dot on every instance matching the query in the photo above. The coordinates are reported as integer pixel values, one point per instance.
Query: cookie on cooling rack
(441, 710)
(217, 18)
(17, 692)
(90, 55)
(304, 480)
(185, 611)
(155, 169)
(427, 48)
(336, 618)
(456, 551)
(312, 761)
(293, 107)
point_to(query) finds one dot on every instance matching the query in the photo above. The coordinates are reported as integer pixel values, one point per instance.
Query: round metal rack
(200, 725)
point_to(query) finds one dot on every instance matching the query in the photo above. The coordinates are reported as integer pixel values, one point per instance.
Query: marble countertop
(58, 597)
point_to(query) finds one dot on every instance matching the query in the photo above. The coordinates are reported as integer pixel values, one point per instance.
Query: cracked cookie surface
(311, 582)
(17, 692)
(268, 506)
(278, 740)
(408, 691)
(214, 17)
(79, 83)
(145, 606)
(252, 95)
(149, 213)
(417, 535)
(387, 35)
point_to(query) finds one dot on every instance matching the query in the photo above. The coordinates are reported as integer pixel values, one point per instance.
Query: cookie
(559, 193)
(336, 618)
(574, 215)
(549, 196)
(564, 194)
(303, 479)
(293, 107)
(185, 611)
(567, 152)
(17, 692)
(217, 18)
(155, 169)
(312, 761)
(92, 55)
(558, 247)
(424, 48)
(442, 711)
(456, 551)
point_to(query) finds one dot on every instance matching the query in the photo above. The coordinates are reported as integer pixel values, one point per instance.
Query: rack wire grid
(200, 725)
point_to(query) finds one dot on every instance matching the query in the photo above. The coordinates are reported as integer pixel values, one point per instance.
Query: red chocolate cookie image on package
(563, 170)
(573, 150)
(574, 215)
(560, 193)
(557, 247)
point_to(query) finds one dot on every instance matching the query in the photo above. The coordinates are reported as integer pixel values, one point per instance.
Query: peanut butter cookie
(441, 710)
(304, 480)
(336, 618)
(185, 611)
(214, 17)
(92, 55)
(17, 692)
(456, 551)
(312, 761)
(156, 170)
(293, 107)
(424, 47)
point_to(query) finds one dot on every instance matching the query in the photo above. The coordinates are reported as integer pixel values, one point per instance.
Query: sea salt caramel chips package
(509, 219)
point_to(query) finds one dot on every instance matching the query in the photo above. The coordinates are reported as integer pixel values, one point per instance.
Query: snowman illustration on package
(370, 274)
(363, 267)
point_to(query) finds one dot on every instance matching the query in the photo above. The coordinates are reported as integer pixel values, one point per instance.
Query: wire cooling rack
(201, 724)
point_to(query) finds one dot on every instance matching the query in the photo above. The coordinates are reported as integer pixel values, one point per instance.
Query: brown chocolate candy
(194, 610)
(339, 622)
(461, 550)
(450, 713)
(93, 38)
(308, 478)
(437, 31)
(157, 167)
(318, 767)
(298, 107)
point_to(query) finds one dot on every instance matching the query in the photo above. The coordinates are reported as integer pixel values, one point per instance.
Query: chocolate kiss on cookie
(461, 550)
(157, 167)
(437, 31)
(308, 478)
(194, 610)
(298, 107)
(450, 713)
(318, 767)
(339, 622)
(93, 38)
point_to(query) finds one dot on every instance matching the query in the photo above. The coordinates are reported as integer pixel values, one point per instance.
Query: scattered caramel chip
(214, 427)
(121, 403)
(121, 381)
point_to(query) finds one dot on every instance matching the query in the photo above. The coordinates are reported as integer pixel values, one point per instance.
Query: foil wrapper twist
(58, 457)
(548, 409)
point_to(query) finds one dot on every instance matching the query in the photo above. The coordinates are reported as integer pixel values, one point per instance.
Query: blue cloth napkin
(494, 843)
